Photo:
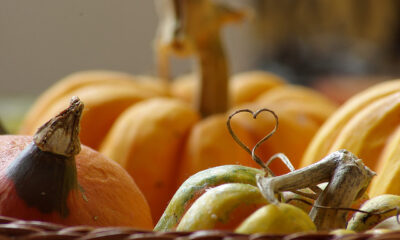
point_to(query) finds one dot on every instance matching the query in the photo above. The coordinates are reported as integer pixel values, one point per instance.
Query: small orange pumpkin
(41, 179)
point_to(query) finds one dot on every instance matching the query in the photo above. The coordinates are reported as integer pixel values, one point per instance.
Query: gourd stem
(348, 179)
(167, 37)
(163, 65)
(60, 135)
(212, 95)
(193, 28)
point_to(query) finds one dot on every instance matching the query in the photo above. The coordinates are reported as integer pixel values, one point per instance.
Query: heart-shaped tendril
(254, 156)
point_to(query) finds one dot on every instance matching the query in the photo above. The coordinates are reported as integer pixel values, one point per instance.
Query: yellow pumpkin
(227, 198)
(367, 125)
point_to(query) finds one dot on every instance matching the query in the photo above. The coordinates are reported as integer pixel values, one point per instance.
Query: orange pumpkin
(106, 95)
(41, 179)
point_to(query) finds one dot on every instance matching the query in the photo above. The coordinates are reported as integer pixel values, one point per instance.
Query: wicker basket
(11, 228)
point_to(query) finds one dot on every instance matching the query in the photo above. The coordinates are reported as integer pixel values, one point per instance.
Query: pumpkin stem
(212, 95)
(60, 135)
(348, 179)
(193, 28)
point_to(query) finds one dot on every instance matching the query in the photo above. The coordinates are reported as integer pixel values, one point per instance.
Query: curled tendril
(304, 194)
(283, 158)
(254, 156)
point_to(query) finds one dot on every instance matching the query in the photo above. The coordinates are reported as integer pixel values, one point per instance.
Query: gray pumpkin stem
(348, 179)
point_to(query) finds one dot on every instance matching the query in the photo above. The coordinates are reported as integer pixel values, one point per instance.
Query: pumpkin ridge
(330, 130)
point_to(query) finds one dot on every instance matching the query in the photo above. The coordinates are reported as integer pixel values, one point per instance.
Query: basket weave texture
(15, 229)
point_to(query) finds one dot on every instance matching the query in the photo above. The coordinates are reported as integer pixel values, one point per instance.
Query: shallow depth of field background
(311, 42)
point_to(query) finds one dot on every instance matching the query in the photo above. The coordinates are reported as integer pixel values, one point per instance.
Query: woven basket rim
(12, 228)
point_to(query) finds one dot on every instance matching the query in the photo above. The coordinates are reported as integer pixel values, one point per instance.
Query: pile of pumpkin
(163, 132)
(51, 177)
(160, 152)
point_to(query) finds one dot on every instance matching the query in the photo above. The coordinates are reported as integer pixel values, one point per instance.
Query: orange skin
(113, 199)
(210, 144)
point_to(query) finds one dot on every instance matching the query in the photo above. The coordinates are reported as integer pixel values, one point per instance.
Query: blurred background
(339, 47)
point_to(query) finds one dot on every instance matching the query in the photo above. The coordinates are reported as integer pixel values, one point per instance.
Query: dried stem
(212, 95)
(168, 37)
(280, 156)
(348, 179)
(254, 156)
(60, 135)
(193, 28)
(242, 145)
(304, 194)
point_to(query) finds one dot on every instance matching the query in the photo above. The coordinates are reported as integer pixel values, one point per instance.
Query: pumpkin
(106, 95)
(367, 124)
(384, 206)
(162, 140)
(387, 180)
(244, 87)
(52, 178)
(227, 198)
(277, 219)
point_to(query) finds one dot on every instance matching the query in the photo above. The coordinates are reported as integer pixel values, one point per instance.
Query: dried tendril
(254, 156)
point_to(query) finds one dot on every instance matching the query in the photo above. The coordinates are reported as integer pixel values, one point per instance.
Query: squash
(249, 200)
(153, 133)
(367, 124)
(384, 206)
(277, 219)
(52, 178)
(223, 207)
(325, 137)
(387, 180)
(226, 198)
(199, 183)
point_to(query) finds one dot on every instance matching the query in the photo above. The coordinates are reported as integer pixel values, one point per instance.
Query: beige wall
(43, 40)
